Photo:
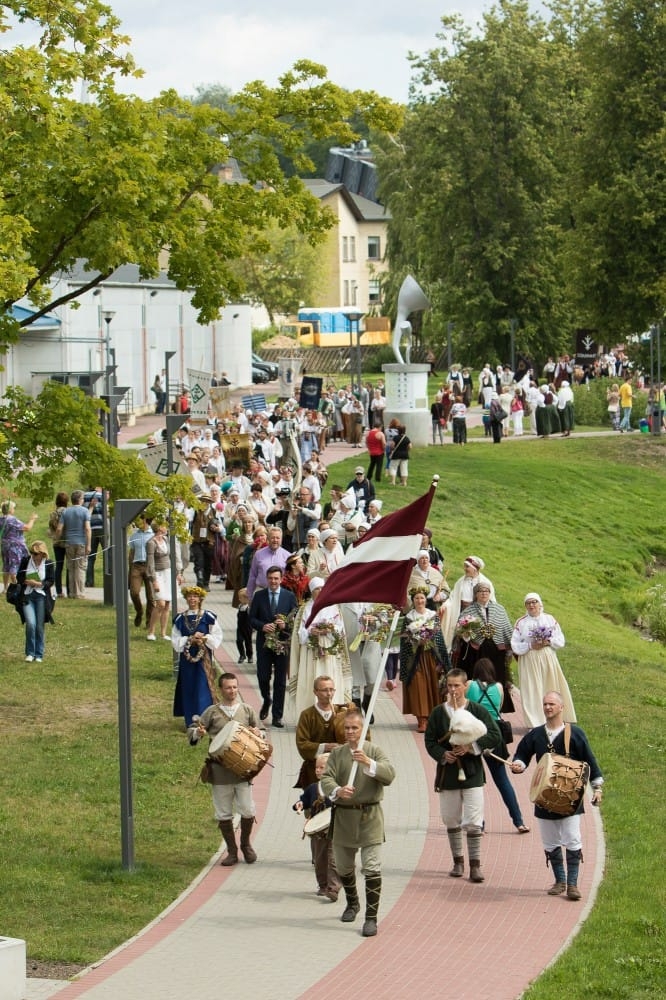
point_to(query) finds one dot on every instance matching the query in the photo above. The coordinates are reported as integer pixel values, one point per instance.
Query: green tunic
(353, 827)
(438, 727)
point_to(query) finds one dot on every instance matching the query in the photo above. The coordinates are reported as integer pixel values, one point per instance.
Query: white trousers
(461, 807)
(226, 796)
(563, 832)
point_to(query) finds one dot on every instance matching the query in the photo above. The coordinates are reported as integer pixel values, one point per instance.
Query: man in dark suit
(268, 610)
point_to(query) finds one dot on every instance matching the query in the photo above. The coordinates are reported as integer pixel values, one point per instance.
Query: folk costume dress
(489, 636)
(423, 659)
(306, 663)
(196, 687)
(539, 670)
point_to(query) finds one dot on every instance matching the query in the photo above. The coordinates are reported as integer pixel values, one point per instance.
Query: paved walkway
(291, 942)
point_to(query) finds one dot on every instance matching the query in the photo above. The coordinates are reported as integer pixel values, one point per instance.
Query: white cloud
(363, 46)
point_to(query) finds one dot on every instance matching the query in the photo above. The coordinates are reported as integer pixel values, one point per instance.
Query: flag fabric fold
(377, 567)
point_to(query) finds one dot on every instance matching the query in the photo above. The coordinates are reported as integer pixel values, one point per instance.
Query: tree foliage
(120, 179)
(528, 181)
(41, 436)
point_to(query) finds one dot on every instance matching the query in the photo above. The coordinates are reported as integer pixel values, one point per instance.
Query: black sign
(586, 347)
(310, 392)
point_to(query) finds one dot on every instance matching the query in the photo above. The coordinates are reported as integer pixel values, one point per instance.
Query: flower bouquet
(374, 625)
(467, 624)
(279, 641)
(541, 633)
(420, 632)
(325, 639)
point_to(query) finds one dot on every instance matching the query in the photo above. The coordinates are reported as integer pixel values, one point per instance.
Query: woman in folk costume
(565, 408)
(462, 594)
(425, 574)
(423, 659)
(332, 550)
(535, 638)
(316, 650)
(484, 630)
(195, 635)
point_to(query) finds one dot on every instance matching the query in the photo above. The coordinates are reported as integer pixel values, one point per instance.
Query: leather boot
(227, 830)
(351, 895)
(474, 853)
(556, 861)
(456, 845)
(574, 859)
(373, 890)
(249, 853)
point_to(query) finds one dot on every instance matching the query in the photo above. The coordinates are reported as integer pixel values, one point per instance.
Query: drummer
(231, 793)
(557, 831)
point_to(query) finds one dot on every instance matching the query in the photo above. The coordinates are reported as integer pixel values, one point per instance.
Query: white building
(131, 323)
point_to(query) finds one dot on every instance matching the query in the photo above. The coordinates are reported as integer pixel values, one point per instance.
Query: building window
(345, 248)
(354, 293)
(352, 248)
(345, 293)
(374, 290)
(374, 248)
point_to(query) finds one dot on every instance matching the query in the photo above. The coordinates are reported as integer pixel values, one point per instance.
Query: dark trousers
(244, 634)
(96, 541)
(376, 465)
(270, 664)
(201, 554)
(59, 555)
(496, 428)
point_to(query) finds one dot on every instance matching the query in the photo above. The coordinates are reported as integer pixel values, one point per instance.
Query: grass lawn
(580, 521)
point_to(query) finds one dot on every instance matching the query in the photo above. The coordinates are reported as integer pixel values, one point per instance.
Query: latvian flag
(377, 567)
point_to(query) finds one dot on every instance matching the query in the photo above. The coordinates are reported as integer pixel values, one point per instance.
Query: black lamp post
(355, 317)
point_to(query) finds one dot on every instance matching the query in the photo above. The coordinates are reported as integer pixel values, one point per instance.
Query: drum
(319, 823)
(559, 783)
(239, 749)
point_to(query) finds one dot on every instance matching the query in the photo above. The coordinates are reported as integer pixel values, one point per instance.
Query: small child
(243, 628)
(311, 802)
(459, 421)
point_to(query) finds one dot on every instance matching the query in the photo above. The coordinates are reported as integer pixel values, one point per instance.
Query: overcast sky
(363, 44)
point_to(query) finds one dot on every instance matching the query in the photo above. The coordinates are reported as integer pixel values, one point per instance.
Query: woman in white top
(535, 638)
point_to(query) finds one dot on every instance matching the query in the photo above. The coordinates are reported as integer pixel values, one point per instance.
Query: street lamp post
(514, 326)
(108, 316)
(124, 513)
(355, 317)
(173, 422)
(168, 355)
(450, 327)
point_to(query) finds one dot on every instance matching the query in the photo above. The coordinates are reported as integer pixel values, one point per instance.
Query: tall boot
(353, 906)
(249, 853)
(574, 859)
(373, 890)
(366, 705)
(227, 830)
(474, 853)
(456, 845)
(556, 861)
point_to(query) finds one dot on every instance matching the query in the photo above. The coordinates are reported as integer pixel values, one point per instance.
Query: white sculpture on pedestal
(410, 298)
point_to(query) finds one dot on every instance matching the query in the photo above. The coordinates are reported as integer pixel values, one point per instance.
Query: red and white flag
(377, 567)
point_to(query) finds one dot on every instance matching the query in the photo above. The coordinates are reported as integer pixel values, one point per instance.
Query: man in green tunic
(358, 821)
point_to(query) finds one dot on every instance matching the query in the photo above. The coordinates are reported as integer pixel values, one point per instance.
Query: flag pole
(375, 691)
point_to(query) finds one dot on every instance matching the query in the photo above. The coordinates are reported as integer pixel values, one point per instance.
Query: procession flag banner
(310, 392)
(236, 447)
(377, 567)
(219, 397)
(255, 402)
(156, 460)
(288, 371)
(199, 389)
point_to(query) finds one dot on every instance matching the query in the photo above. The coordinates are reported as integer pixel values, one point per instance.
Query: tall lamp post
(108, 316)
(173, 422)
(168, 355)
(514, 326)
(124, 512)
(655, 421)
(450, 327)
(355, 317)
